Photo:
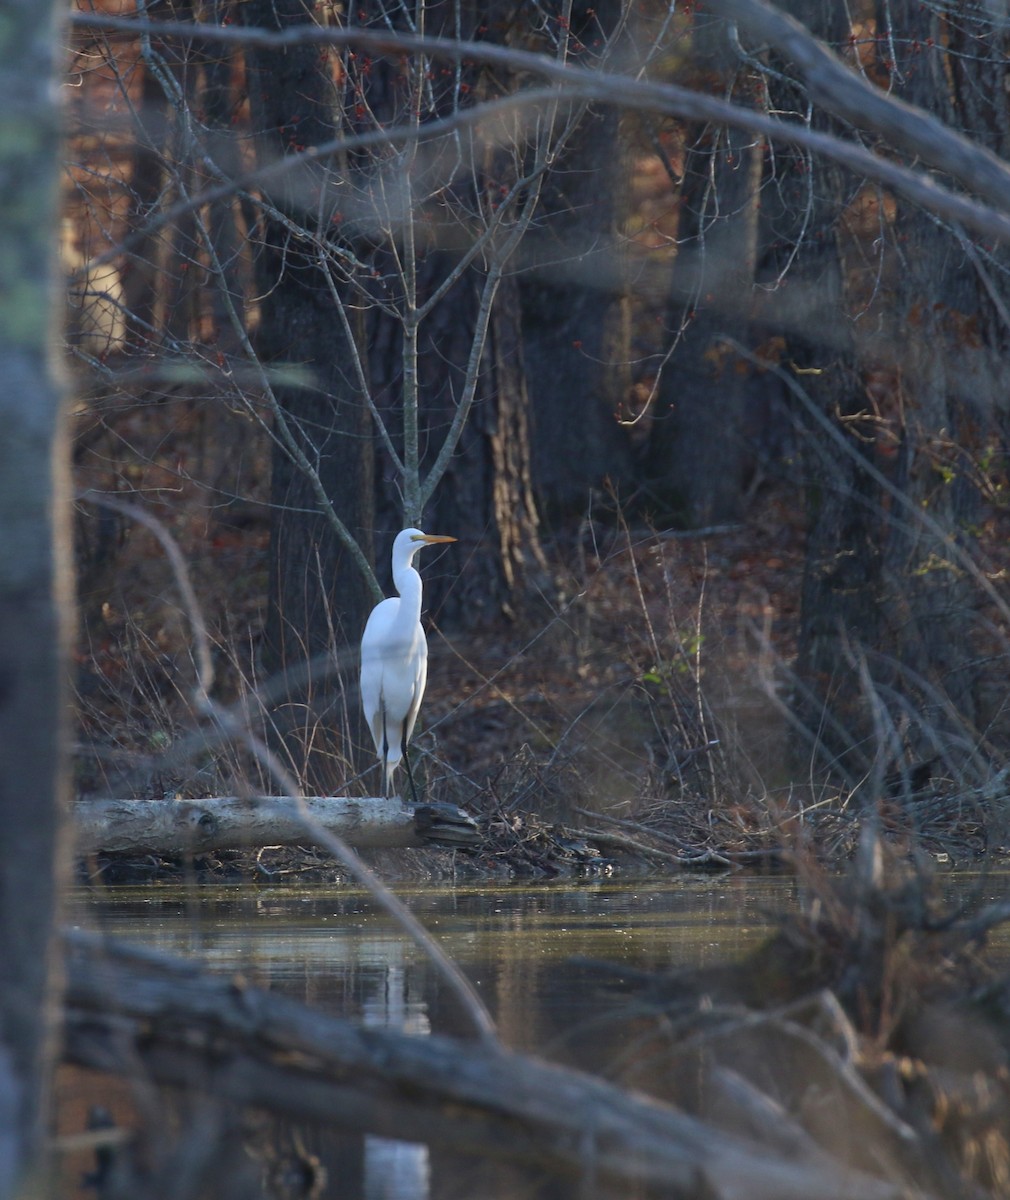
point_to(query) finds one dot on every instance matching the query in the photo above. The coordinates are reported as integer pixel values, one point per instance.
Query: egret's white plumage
(394, 658)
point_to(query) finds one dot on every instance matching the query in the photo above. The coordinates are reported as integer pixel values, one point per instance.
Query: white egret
(394, 659)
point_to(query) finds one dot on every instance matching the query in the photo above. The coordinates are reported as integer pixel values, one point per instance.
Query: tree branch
(846, 94)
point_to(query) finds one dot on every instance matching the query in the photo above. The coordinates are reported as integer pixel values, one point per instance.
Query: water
(336, 949)
(529, 951)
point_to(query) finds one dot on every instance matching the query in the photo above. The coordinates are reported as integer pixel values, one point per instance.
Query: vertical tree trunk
(842, 592)
(572, 331)
(144, 308)
(575, 343)
(488, 499)
(35, 604)
(948, 375)
(885, 651)
(485, 498)
(696, 453)
(318, 599)
(217, 103)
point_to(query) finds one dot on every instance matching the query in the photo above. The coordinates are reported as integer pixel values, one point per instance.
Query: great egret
(394, 659)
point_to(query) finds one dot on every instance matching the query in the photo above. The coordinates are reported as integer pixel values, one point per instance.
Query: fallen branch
(621, 841)
(704, 857)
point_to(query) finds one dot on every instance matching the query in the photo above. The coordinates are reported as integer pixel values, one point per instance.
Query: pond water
(334, 948)
(528, 950)
(523, 947)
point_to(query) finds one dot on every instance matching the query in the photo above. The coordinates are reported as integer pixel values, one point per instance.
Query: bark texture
(227, 822)
(697, 449)
(316, 592)
(35, 604)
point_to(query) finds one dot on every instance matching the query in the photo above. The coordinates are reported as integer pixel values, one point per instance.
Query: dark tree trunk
(464, 503)
(696, 457)
(217, 103)
(487, 494)
(143, 268)
(575, 341)
(318, 599)
(841, 595)
(485, 498)
(573, 333)
(35, 600)
(949, 363)
(841, 618)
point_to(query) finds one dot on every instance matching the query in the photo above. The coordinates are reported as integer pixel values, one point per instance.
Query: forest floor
(641, 718)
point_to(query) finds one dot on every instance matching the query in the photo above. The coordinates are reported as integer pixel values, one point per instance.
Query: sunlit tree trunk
(34, 593)
(485, 498)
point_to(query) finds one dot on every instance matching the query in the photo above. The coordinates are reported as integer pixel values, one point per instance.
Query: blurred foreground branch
(909, 129)
(130, 1011)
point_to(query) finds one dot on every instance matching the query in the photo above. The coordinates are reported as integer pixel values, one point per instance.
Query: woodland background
(562, 334)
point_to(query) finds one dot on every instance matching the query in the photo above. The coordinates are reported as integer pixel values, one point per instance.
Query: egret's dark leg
(410, 773)
(385, 749)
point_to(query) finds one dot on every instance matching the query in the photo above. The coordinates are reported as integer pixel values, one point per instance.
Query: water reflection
(395, 1170)
(337, 950)
(521, 946)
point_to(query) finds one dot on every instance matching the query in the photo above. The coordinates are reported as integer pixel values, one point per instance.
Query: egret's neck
(408, 584)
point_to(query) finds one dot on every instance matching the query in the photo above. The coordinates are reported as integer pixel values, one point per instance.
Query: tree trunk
(35, 601)
(948, 361)
(318, 599)
(696, 455)
(841, 617)
(575, 342)
(464, 504)
(487, 499)
(905, 374)
(226, 822)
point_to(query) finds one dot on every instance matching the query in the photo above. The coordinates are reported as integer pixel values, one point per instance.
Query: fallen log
(130, 1011)
(233, 822)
